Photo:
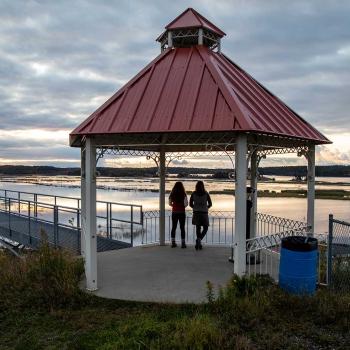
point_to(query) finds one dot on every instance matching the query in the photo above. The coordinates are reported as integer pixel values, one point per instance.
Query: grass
(42, 307)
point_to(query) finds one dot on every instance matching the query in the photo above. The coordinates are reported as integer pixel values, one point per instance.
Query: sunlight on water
(145, 192)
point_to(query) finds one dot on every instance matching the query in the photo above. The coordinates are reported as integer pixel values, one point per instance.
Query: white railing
(221, 229)
(263, 252)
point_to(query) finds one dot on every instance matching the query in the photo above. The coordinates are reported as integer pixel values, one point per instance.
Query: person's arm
(185, 201)
(191, 201)
(170, 202)
(210, 204)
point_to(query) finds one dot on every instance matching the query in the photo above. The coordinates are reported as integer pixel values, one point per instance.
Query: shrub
(47, 278)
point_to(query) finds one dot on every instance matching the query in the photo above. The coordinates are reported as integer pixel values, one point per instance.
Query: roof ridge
(179, 16)
(301, 119)
(201, 19)
(244, 120)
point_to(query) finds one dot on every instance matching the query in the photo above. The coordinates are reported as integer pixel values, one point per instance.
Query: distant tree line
(324, 170)
(328, 170)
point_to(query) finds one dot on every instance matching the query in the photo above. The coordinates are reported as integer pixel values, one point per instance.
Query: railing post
(55, 226)
(29, 229)
(5, 192)
(132, 225)
(79, 240)
(78, 217)
(329, 250)
(9, 211)
(35, 205)
(110, 221)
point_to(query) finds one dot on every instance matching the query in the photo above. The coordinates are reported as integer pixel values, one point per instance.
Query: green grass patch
(42, 307)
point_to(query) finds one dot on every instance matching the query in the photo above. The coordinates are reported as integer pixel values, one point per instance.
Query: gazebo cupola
(189, 29)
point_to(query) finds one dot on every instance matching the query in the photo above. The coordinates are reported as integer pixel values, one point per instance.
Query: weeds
(248, 313)
(47, 278)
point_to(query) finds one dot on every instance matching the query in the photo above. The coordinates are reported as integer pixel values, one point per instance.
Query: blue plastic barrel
(298, 265)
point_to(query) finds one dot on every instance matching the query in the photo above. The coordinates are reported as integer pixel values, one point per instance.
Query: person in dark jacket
(178, 201)
(200, 202)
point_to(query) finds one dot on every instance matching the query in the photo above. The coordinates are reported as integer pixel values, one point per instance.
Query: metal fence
(333, 265)
(23, 215)
(338, 254)
(221, 229)
(29, 223)
(269, 224)
(263, 252)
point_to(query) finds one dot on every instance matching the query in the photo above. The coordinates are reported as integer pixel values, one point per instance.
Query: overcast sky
(59, 60)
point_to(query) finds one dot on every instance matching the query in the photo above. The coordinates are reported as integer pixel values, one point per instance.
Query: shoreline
(331, 194)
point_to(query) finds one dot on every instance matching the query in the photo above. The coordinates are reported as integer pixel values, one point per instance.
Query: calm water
(139, 191)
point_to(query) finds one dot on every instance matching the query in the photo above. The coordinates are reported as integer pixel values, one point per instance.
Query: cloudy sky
(59, 60)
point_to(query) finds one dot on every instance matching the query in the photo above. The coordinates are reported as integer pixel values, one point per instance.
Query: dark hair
(178, 192)
(200, 189)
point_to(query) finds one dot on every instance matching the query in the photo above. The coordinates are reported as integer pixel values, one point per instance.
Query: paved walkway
(162, 274)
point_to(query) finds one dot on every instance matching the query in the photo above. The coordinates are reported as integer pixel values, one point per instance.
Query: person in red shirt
(178, 201)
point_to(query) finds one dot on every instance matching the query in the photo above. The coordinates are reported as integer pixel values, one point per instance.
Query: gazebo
(192, 98)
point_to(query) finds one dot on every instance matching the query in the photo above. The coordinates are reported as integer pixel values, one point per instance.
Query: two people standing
(200, 202)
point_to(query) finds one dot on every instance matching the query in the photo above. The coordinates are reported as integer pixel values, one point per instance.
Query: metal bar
(340, 222)
(29, 228)
(132, 225)
(110, 221)
(35, 205)
(55, 226)
(78, 218)
(329, 252)
(64, 197)
(10, 231)
(107, 219)
(79, 240)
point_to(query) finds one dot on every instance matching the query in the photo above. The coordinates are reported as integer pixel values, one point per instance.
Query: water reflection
(144, 192)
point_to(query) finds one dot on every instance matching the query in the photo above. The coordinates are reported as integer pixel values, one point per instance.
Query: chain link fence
(339, 254)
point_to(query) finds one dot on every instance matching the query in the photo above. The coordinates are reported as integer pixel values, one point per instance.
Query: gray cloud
(60, 60)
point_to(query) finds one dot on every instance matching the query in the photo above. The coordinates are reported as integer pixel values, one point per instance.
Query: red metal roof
(195, 89)
(191, 18)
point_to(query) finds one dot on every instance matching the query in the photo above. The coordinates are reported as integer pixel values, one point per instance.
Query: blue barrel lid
(299, 243)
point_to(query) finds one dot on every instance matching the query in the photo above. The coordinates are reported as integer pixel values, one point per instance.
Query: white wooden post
(83, 201)
(254, 186)
(240, 205)
(89, 229)
(170, 39)
(162, 197)
(200, 36)
(311, 189)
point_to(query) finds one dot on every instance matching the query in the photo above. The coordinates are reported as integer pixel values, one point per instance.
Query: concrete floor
(162, 274)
